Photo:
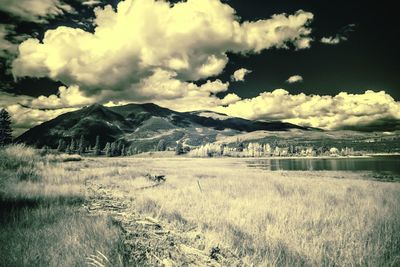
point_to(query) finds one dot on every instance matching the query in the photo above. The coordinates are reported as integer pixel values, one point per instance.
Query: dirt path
(147, 241)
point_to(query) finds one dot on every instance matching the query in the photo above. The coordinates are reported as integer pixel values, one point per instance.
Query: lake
(376, 164)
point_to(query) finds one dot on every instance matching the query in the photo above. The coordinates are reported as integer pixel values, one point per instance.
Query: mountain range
(144, 125)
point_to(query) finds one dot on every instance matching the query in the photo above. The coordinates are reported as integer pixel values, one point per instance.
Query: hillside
(144, 125)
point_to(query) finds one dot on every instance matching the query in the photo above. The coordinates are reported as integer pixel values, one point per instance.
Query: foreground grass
(266, 218)
(41, 223)
(269, 218)
(55, 235)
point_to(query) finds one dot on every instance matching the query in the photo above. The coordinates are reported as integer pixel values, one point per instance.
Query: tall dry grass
(270, 218)
(266, 218)
(55, 235)
(41, 220)
(17, 163)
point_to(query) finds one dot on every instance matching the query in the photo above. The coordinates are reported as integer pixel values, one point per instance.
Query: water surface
(376, 164)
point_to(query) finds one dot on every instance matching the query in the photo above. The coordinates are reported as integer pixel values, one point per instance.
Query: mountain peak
(95, 105)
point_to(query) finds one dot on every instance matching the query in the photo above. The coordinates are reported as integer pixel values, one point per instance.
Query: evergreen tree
(162, 145)
(118, 148)
(5, 128)
(291, 149)
(97, 146)
(222, 148)
(81, 145)
(239, 145)
(113, 149)
(107, 149)
(132, 150)
(179, 148)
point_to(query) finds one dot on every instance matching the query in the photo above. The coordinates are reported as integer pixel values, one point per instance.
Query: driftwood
(147, 241)
(156, 178)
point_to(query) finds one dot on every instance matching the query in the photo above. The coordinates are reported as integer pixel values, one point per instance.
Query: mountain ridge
(132, 122)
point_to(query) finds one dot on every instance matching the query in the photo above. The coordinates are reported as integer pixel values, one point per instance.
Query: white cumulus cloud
(328, 112)
(332, 40)
(238, 75)
(185, 41)
(7, 99)
(66, 98)
(168, 91)
(295, 79)
(91, 2)
(24, 115)
(24, 118)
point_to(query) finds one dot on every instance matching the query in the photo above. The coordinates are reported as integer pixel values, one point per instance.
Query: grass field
(41, 220)
(266, 218)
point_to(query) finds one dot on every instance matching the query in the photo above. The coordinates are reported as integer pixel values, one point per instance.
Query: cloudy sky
(332, 65)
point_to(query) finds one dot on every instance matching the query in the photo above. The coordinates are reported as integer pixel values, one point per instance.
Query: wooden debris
(147, 241)
(156, 178)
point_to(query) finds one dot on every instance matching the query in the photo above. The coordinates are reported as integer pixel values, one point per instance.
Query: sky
(326, 64)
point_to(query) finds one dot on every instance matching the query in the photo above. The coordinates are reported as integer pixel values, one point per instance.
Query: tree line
(254, 149)
(110, 149)
(81, 146)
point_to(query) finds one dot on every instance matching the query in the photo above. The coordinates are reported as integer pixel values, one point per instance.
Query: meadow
(264, 218)
(41, 219)
(267, 218)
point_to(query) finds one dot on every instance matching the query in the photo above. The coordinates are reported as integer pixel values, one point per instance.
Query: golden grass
(55, 235)
(267, 218)
(270, 218)
(41, 220)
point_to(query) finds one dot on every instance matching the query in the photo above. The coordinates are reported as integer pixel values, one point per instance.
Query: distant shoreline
(329, 157)
(171, 154)
(383, 154)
